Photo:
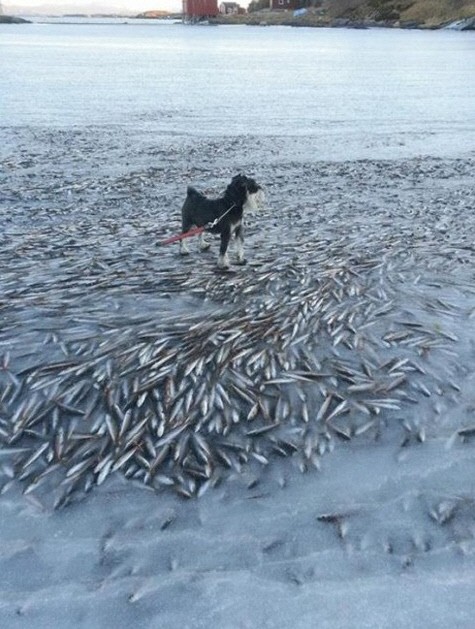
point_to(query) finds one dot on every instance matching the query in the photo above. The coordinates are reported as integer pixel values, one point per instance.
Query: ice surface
(358, 544)
(382, 535)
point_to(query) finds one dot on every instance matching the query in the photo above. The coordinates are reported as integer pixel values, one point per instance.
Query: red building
(197, 9)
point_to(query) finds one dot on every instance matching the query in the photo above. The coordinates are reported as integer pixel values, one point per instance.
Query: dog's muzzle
(255, 200)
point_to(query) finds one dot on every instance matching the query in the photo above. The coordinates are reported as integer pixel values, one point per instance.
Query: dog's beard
(254, 200)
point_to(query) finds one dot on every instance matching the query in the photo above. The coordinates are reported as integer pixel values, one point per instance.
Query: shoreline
(274, 18)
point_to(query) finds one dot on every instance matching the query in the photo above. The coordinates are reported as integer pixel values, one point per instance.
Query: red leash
(196, 230)
(188, 234)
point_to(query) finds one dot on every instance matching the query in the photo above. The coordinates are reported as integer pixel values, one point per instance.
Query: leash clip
(216, 220)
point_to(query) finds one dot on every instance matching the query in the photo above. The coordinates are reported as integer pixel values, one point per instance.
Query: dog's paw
(205, 246)
(225, 271)
(242, 262)
(184, 252)
(223, 262)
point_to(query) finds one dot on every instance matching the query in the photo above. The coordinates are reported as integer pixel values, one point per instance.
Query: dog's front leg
(223, 261)
(240, 245)
(204, 245)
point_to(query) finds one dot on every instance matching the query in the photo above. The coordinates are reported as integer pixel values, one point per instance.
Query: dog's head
(245, 191)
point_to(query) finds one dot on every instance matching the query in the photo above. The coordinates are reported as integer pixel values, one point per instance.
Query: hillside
(430, 13)
(363, 13)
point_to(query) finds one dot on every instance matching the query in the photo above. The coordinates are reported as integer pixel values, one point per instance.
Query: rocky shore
(9, 19)
(387, 15)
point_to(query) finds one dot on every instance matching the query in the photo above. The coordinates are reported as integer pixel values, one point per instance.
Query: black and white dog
(223, 215)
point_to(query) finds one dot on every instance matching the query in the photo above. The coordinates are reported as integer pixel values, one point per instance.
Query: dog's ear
(239, 180)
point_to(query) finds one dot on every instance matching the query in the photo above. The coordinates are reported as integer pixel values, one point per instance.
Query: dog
(222, 216)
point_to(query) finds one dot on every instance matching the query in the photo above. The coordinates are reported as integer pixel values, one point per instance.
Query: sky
(86, 6)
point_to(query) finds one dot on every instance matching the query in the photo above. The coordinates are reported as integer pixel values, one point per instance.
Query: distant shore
(314, 18)
(325, 19)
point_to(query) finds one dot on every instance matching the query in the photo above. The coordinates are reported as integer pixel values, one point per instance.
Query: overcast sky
(77, 6)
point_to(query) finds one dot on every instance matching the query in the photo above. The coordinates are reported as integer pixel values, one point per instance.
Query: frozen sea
(365, 142)
(361, 93)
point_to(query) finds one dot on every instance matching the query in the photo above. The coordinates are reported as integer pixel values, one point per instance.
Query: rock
(357, 25)
(9, 19)
(462, 25)
(339, 22)
(409, 24)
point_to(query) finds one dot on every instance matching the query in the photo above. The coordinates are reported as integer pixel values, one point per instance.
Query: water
(370, 93)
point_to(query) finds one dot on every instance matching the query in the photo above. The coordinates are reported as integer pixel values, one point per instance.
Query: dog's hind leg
(184, 251)
(240, 245)
(223, 261)
(186, 225)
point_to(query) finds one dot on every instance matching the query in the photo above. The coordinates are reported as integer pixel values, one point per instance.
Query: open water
(363, 93)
